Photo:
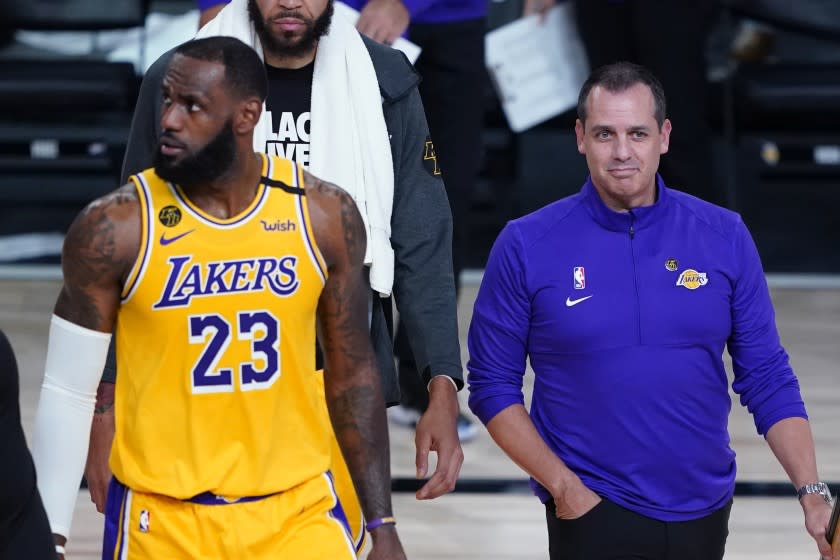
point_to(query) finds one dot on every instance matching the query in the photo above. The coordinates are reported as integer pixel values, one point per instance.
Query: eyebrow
(189, 94)
(634, 128)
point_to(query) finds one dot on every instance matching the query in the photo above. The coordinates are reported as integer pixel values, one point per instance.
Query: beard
(209, 163)
(288, 43)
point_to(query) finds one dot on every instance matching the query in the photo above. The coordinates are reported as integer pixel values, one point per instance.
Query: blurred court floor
(512, 526)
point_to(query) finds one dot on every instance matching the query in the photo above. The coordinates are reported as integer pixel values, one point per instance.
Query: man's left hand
(103, 427)
(817, 516)
(383, 20)
(437, 431)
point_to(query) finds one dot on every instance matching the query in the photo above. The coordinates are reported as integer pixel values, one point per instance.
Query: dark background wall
(775, 123)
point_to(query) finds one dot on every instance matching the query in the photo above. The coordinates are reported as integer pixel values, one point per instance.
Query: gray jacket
(421, 222)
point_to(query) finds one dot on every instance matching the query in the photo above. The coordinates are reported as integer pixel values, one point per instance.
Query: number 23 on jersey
(215, 333)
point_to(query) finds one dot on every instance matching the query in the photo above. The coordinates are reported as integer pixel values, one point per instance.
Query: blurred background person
(670, 39)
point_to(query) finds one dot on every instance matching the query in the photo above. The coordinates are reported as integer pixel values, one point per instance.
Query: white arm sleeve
(75, 358)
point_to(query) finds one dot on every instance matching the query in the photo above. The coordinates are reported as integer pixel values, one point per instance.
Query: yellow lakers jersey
(216, 345)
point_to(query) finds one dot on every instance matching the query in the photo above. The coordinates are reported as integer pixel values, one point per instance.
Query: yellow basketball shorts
(306, 522)
(343, 482)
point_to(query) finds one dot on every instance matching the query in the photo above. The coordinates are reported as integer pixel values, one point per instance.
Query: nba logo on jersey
(145, 517)
(580, 278)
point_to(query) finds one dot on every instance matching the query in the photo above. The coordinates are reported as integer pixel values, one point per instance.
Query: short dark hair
(244, 70)
(619, 77)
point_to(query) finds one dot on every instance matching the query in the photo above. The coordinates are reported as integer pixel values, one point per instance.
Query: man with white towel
(347, 108)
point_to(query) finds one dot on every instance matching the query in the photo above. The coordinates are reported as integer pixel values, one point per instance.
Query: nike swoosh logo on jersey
(572, 302)
(165, 241)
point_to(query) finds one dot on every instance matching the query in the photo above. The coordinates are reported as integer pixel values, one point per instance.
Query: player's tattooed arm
(353, 386)
(99, 250)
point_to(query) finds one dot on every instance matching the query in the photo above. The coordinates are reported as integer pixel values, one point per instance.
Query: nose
(172, 117)
(289, 4)
(621, 148)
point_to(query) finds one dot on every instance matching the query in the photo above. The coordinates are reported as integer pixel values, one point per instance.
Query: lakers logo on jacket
(692, 279)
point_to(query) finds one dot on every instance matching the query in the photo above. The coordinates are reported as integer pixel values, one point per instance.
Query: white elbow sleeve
(75, 358)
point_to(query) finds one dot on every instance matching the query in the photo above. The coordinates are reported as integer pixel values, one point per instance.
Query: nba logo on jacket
(580, 278)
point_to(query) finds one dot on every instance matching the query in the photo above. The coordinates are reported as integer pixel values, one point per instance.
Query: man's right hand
(386, 544)
(97, 471)
(383, 20)
(437, 431)
(575, 500)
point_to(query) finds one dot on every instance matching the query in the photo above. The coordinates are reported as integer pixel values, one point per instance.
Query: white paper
(537, 66)
(410, 50)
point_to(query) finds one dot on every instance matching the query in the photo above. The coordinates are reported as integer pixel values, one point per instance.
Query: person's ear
(665, 137)
(579, 132)
(248, 116)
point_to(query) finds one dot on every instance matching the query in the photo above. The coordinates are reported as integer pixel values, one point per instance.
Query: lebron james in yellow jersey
(214, 267)
(233, 305)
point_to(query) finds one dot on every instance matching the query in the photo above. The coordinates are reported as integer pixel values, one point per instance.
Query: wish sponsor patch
(692, 279)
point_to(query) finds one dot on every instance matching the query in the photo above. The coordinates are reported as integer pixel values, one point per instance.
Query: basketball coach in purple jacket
(623, 297)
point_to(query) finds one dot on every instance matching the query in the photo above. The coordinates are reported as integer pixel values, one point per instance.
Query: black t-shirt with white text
(288, 103)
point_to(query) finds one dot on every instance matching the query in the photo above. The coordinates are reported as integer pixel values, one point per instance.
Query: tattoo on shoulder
(352, 226)
(91, 253)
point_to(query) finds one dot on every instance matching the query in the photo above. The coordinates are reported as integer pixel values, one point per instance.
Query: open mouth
(170, 147)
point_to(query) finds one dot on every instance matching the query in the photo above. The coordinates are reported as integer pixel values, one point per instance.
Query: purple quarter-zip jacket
(624, 318)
